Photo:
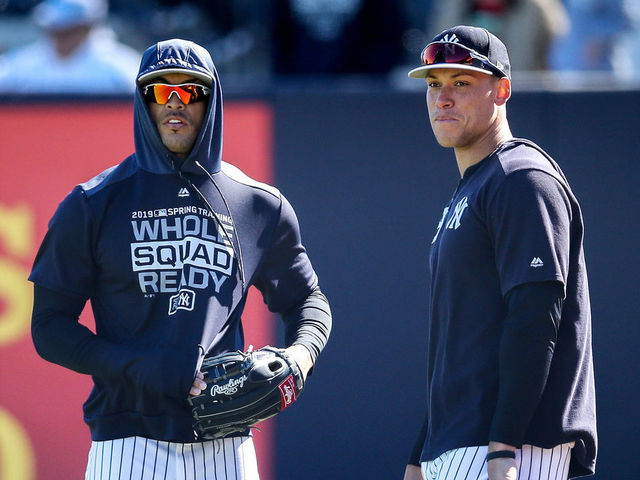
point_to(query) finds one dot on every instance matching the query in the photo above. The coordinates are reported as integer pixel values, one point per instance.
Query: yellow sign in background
(16, 241)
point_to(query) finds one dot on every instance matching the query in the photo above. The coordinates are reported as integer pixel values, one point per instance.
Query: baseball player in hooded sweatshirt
(165, 246)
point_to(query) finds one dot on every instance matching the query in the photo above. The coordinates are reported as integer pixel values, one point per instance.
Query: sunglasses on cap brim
(451, 53)
(160, 93)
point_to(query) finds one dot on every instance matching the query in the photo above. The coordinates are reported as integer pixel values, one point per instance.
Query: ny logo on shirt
(183, 300)
(444, 214)
(454, 221)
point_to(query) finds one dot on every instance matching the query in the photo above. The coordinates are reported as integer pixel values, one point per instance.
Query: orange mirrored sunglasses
(160, 93)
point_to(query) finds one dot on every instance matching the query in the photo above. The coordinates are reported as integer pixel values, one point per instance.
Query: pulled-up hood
(182, 56)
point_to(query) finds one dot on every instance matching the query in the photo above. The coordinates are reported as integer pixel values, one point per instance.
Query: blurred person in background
(628, 64)
(529, 27)
(77, 53)
(602, 37)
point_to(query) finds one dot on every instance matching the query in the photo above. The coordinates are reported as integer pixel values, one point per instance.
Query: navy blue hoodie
(165, 250)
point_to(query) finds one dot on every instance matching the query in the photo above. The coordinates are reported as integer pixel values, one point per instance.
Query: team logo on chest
(444, 215)
(183, 300)
(454, 221)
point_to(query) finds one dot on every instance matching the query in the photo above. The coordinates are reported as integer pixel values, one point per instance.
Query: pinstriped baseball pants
(534, 463)
(137, 458)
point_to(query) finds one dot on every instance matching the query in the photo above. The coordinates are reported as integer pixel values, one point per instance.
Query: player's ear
(503, 91)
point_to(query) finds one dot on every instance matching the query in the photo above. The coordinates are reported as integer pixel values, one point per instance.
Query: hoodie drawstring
(238, 252)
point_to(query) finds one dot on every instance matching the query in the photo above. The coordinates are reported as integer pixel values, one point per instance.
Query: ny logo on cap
(450, 38)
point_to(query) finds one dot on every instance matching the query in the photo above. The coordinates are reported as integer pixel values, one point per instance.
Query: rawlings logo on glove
(230, 388)
(243, 389)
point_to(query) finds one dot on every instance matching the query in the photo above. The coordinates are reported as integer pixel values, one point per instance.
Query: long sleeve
(59, 338)
(527, 345)
(309, 323)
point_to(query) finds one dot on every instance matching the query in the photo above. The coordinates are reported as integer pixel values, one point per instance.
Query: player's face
(463, 106)
(178, 124)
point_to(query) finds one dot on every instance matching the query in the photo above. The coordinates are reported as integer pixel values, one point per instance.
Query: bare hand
(302, 357)
(502, 469)
(412, 472)
(198, 384)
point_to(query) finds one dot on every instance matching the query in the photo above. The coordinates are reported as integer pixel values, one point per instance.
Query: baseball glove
(244, 388)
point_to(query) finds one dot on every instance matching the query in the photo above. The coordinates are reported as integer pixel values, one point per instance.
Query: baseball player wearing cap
(76, 53)
(165, 245)
(510, 384)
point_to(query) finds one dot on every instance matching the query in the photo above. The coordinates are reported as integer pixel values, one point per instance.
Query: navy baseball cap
(176, 56)
(467, 48)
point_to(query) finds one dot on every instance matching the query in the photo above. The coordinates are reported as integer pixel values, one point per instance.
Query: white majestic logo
(183, 192)
(536, 262)
(230, 388)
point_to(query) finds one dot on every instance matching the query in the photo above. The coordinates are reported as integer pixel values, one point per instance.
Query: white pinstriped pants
(534, 463)
(137, 458)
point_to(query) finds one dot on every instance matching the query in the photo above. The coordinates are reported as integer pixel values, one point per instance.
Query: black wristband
(501, 454)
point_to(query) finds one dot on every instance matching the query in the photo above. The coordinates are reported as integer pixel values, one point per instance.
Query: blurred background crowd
(71, 46)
